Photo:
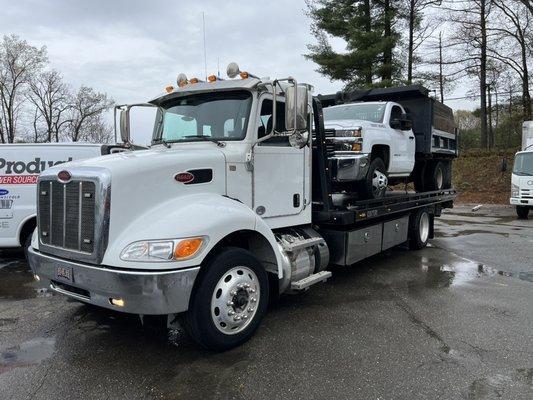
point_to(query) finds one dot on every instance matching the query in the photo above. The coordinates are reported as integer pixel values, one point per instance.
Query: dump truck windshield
(365, 112)
(217, 116)
(523, 164)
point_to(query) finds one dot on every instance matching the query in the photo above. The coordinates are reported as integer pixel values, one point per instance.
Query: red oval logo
(64, 176)
(184, 177)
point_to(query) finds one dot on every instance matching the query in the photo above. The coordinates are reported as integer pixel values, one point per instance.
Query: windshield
(218, 116)
(365, 112)
(523, 164)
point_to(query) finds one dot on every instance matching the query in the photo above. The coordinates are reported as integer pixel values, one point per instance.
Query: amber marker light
(212, 78)
(244, 75)
(187, 248)
(169, 89)
(194, 80)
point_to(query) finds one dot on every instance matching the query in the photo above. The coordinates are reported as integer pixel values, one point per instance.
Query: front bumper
(516, 201)
(349, 166)
(148, 293)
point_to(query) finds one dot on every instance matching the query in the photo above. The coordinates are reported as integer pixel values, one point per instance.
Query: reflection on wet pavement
(26, 354)
(17, 282)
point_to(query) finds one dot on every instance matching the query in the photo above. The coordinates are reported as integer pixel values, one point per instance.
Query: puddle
(462, 272)
(17, 282)
(29, 353)
(471, 232)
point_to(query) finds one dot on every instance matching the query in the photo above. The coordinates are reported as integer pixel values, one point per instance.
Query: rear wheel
(419, 229)
(437, 176)
(229, 301)
(376, 180)
(522, 212)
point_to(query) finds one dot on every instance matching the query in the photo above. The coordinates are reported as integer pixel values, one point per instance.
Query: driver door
(279, 168)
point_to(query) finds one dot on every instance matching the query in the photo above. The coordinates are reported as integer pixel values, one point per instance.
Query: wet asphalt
(452, 321)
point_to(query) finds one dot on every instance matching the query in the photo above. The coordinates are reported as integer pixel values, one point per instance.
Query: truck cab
(522, 176)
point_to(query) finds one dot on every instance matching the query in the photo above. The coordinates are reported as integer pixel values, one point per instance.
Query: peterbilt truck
(234, 203)
(522, 176)
(389, 136)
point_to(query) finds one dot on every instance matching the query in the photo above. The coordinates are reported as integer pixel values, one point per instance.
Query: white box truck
(235, 202)
(20, 166)
(522, 176)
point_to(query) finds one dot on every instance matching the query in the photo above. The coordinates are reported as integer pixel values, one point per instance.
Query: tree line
(485, 45)
(37, 105)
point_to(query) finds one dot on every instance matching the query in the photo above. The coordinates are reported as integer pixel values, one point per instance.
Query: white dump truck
(522, 176)
(20, 166)
(234, 203)
(388, 136)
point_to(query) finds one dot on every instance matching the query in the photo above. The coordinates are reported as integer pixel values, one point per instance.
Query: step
(304, 283)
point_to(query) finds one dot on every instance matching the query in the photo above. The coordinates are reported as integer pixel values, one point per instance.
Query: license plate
(64, 274)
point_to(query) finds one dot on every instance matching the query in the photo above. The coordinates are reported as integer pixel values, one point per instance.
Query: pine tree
(368, 29)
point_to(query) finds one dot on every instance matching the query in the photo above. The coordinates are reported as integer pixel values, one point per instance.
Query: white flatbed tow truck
(235, 202)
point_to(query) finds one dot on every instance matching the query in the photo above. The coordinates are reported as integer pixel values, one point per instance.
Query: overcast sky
(133, 49)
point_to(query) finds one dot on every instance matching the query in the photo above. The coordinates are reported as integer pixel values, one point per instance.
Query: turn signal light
(169, 89)
(187, 248)
(357, 147)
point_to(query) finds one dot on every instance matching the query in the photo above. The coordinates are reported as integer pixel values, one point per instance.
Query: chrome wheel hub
(235, 300)
(440, 179)
(379, 182)
(424, 227)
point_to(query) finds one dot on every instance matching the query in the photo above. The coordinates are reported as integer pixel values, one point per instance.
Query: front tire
(376, 181)
(522, 212)
(229, 301)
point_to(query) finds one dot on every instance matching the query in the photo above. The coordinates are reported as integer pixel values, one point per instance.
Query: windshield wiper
(208, 138)
(163, 141)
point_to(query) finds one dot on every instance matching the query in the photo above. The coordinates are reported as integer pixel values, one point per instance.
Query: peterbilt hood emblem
(64, 176)
(184, 177)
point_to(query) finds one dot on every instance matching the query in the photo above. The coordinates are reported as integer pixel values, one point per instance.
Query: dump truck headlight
(515, 190)
(162, 250)
(357, 132)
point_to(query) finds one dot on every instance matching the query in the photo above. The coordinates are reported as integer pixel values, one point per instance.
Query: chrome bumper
(349, 167)
(149, 293)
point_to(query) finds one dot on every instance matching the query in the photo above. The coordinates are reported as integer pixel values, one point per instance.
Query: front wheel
(376, 181)
(522, 212)
(229, 301)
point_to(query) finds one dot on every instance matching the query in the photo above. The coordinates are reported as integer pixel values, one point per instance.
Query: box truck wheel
(229, 300)
(376, 181)
(419, 229)
(522, 212)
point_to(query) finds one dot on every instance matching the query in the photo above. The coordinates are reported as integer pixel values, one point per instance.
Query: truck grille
(526, 193)
(67, 215)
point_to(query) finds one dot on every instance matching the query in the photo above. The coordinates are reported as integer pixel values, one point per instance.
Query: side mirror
(125, 125)
(296, 108)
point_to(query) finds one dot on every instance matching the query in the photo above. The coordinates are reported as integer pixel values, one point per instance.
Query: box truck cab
(522, 177)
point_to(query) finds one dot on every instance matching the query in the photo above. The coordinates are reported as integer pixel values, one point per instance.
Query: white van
(20, 165)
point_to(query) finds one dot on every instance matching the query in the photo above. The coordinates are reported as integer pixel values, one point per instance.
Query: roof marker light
(169, 89)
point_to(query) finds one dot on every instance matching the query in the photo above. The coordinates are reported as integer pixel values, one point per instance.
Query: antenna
(205, 51)
(218, 67)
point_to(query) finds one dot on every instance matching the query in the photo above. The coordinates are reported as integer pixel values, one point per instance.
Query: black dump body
(425, 112)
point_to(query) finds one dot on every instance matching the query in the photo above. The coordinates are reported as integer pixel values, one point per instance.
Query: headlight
(162, 250)
(515, 190)
(357, 132)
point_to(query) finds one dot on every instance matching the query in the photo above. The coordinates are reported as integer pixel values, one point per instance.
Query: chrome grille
(73, 217)
(66, 214)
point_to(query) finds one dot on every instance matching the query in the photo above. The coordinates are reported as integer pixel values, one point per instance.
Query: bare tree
(19, 62)
(87, 106)
(50, 97)
(513, 44)
(418, 30)
(469, 42)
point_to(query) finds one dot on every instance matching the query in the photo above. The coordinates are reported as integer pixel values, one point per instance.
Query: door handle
(411, 137)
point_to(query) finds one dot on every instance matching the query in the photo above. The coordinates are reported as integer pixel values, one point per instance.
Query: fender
(201, 214)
